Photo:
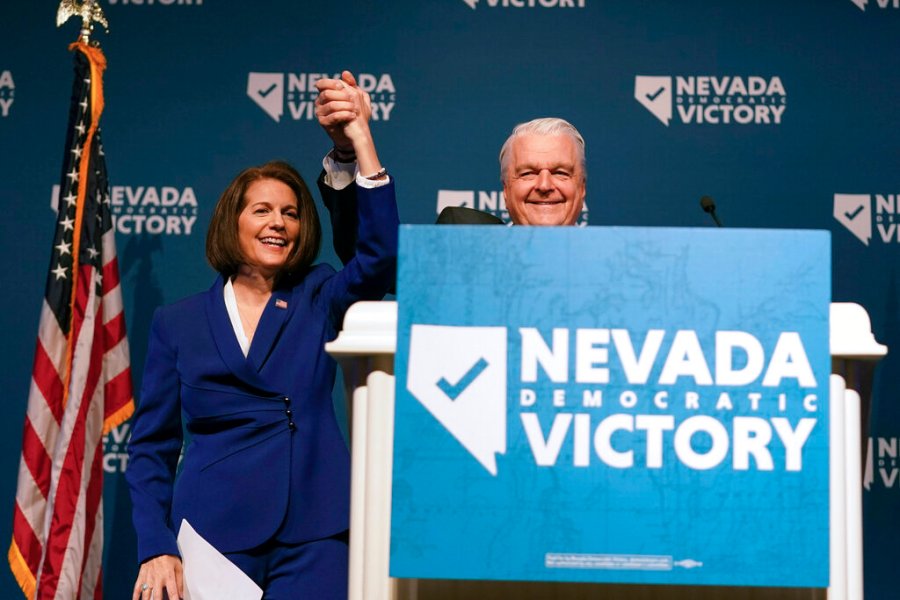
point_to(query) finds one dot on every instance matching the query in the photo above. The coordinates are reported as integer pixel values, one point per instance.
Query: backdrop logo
(164, 210)
(492, 202)
(115, 455)
(881, 3)
(7, 92)
(267, 90)
(713, 100)
(854, 211)
(882, 470)
(655, 94)
(297, 91)
(459, 375)
(526, 3)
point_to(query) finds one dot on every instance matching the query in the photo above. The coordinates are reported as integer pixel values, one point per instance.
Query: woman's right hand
(339, 103)
(157, 574)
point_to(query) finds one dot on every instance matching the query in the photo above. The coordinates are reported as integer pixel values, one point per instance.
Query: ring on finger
(145, 587)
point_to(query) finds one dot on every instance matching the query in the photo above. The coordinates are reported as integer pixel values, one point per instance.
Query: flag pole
(81, 378)
(89, 11)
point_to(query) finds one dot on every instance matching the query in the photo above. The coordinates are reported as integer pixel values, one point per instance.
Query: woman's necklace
(250, 316)
(250, 305)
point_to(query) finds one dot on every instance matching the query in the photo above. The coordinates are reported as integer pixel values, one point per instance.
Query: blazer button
(289, 413)
(291, 425)
(286, 400)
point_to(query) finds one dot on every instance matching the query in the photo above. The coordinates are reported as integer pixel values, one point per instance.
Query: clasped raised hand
(343, 110)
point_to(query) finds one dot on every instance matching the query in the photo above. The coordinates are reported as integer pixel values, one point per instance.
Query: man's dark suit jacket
(460, 215)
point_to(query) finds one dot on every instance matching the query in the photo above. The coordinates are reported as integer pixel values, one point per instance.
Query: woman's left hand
(156, 575)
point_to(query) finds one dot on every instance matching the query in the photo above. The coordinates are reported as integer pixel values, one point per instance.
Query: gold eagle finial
(88, 10)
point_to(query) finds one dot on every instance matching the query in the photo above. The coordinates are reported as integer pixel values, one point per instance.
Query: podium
(365, 348)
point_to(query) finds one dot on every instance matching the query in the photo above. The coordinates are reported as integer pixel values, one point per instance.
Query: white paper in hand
(208, 575)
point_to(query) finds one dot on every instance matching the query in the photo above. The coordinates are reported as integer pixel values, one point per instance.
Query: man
(543, 173)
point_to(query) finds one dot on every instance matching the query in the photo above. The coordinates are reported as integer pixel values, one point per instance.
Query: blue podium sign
(627, 405)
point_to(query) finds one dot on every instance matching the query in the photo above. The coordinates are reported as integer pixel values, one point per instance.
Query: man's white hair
(542, 126)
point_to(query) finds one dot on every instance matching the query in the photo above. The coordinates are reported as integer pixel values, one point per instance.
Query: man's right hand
(343, 110)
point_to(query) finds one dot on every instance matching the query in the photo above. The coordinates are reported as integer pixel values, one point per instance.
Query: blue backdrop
(196, 90)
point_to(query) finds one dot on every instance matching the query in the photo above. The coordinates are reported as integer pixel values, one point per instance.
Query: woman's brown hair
(222, 247)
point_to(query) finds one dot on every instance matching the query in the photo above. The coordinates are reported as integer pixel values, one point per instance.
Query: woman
(265, 478)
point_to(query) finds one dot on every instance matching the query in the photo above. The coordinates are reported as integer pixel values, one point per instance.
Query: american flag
(81, 379)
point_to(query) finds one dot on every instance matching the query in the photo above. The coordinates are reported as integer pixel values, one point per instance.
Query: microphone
(709, 205)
